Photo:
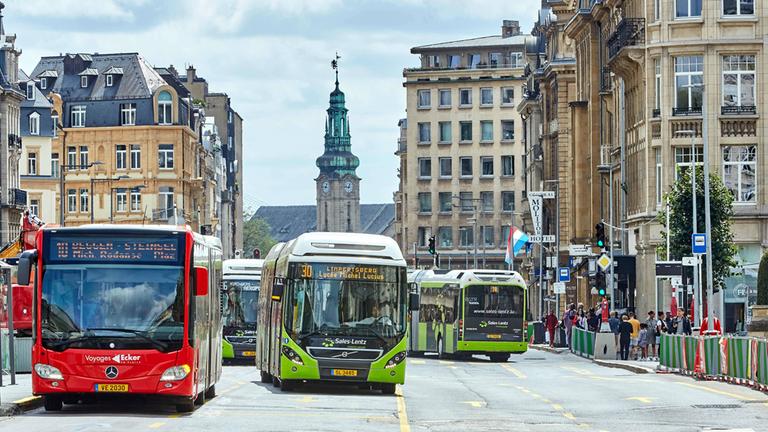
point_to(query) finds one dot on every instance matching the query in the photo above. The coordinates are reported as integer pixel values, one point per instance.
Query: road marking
(569, 416)
(417, 362)
(25, 400)
(516, 372)
(577, 370)
(177, 415)
(402, 414)
(475, 404)
(721, 392)
(545, 400)
(156, 425)
(643, 399)
(306, 399)
(446, 362)
(557, 407)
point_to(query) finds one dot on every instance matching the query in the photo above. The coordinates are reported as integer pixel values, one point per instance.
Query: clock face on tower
(326, 187)
(348, 187)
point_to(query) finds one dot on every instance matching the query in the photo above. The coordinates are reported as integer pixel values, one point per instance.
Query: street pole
(708, 221)
(474, 235)
(696, 284)
(62, 172)
(91, 199)
(610, 237)
(557, 242)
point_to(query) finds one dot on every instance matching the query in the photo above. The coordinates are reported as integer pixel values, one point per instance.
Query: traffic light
(600, 283)
(600, 235)
(432, 245)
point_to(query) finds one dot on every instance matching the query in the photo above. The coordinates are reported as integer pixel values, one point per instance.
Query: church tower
(338, 186)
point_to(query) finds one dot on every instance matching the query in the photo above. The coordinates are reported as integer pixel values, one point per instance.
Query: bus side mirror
(201, 281)
(413, 302)
(26, 261)
(277, 289)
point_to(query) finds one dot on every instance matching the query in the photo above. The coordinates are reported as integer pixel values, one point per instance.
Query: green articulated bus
(466, 312)
(334, 307)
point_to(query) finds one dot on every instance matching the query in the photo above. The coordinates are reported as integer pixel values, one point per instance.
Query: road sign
(543, 194)
(537, 208)
(558, 287)
(541, 239)
(699, 243)
(677, 281)
(690, 261)
(579, 250)
(604, 262)
(564, 274)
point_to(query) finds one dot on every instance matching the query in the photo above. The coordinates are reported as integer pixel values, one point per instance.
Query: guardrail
(740, 360)
(582, 342)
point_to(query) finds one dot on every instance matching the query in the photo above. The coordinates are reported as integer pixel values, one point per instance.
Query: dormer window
(84, 81)
(43, 83)
(109, 80)
(30, 90)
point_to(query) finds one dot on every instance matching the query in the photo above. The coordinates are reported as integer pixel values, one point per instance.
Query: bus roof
(210, 241)
(243, 266)
(320, 244)
(475, 276)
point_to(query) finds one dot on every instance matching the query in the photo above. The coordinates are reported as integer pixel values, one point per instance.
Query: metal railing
(689, 111)
(656, 113)
(629, 32)
(606, 84)
(16, 198)
(738, 110)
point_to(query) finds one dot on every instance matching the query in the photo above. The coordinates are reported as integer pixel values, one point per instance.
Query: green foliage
(762, 281)
(681, 222)
(256, 235)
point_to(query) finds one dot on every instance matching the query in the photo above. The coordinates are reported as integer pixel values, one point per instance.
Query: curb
(548, 349)
(625, 366)
(20, 406)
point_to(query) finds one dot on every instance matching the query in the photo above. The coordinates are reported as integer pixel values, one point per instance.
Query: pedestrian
(593, 321)
(634, 341)
(642, 341)
(682, 324)
(613, 323)
(651, 324)
(583, 323)
(625, 334)
(551, 324)
(568, 323)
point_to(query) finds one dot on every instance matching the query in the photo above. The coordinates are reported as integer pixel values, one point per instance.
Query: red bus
(125, 309)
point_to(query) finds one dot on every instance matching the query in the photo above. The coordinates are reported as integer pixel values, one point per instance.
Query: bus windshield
(112, 306)
(240, 300)
(494, 301)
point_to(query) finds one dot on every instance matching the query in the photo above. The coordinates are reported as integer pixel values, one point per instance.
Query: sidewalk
(547, 348)
(640, 367)
(16, 399)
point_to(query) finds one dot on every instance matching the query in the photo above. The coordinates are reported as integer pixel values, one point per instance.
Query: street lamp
(100, 180)
(473, 220)
(63, 170)
(696, 284)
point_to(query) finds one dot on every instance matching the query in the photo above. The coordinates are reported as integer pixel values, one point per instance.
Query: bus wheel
(388, 389)
(52, 403)
(440, 348)
(186, 406)
(265, 377)
(499, 358)
(211, 392)
(200, 399)
(275, 381)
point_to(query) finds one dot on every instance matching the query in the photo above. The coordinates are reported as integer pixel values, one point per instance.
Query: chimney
(510, 28)
(173, 71)
(191, 75)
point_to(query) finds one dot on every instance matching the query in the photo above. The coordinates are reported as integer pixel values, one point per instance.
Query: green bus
(466, 312)
(333, 307)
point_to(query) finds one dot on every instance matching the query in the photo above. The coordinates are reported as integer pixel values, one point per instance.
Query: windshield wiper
(141, 334)
(70, 341)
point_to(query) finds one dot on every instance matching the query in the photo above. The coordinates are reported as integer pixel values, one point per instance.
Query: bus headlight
(395, 360)
(48, 372)
(292, 355)
(175, 373)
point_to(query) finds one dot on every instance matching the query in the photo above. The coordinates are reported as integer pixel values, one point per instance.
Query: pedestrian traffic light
(432, 245)
(600, 235)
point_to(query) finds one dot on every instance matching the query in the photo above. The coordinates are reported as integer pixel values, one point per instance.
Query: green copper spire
(338, 159)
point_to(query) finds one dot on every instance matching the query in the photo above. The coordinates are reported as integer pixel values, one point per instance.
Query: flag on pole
(515, 242)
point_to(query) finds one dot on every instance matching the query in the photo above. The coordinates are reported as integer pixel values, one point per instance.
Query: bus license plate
(344, 372)
(494, 336)
(112, 388)
(249, 353)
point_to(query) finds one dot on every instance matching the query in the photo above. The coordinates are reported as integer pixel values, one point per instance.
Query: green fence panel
(738, 358)
(671, 352)
(590, 348)
(691, 344)
(760, 361)
(529, 330)
(711, 364)
(582, 342)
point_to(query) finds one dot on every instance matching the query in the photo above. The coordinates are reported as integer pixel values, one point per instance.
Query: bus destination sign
(84, 249)
(353, 272)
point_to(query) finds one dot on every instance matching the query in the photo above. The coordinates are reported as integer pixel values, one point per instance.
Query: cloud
(113, 9)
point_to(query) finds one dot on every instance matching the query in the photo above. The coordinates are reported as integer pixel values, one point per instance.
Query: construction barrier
(740, 360)
(583, 342)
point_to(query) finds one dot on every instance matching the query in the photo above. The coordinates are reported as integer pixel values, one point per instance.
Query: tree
(762, 281)
(679, 200)
(256, 235)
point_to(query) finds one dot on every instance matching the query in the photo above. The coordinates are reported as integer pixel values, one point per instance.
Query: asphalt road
(533, 392)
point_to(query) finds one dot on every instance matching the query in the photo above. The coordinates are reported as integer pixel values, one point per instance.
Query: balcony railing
(656, 113)
(690, 111)
(738, 110)
(16, 198)
(629, 32)
(605, 80)
(14, 141)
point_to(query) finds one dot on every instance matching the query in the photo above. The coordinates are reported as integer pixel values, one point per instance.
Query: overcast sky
(273, 59)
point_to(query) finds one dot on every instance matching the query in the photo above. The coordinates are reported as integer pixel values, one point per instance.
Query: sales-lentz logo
(119, 358)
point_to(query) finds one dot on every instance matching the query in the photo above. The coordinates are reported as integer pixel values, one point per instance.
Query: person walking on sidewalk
(613, 323)
(634, 342)
(681, 324)
(568, 323)
(652, 324)
(642, 341)
(550, 322)
(625, 333)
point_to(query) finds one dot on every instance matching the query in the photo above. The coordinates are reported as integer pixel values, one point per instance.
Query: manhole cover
(717, 406)
(535, 358)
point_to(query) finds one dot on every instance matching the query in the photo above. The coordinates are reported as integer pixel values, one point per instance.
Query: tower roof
(337, 160)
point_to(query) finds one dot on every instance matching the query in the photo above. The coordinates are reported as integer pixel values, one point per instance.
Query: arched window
(34, 124)
(164, 108)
